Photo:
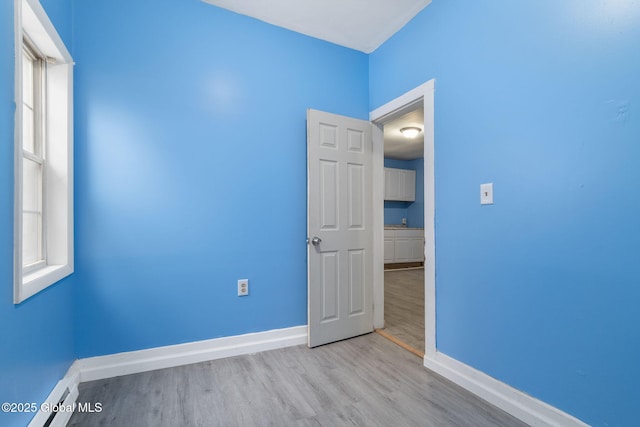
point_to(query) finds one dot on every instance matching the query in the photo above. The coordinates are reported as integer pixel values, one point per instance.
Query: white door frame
(423, 93)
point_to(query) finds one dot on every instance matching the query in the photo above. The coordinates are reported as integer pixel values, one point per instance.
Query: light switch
(486, 194)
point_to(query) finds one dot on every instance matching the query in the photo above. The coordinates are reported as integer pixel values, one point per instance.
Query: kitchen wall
(191, 169)
(412, 211)
(539, 290)
(36, 336)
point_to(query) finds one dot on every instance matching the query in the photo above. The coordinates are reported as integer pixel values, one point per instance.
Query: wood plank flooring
(364, 381)
(404, 306)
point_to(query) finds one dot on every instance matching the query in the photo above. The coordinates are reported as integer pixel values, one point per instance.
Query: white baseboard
(114, 365)
(522, 406)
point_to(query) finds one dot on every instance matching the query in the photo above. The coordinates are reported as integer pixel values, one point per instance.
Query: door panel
(355, 196)
(328, 195)
(356, 282)
(330, 280)
(339, 202)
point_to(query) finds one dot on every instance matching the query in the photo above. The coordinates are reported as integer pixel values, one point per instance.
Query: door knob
(316, 241)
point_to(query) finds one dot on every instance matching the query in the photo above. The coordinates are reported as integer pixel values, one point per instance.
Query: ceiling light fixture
(410, 132)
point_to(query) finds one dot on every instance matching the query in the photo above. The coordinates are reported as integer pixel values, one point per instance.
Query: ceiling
(358, 24)
(396, 146)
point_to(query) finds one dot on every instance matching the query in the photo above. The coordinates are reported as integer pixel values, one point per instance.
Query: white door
(339, 209)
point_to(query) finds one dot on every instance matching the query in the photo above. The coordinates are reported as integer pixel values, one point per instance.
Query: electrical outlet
(243, 287)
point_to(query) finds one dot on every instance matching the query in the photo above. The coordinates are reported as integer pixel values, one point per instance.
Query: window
(33, 163)
(43, 151)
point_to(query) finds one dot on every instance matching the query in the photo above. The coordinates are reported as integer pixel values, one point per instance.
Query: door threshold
(421, 267)
(402, 344)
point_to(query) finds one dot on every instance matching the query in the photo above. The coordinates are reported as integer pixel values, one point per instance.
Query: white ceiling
(396, 146)
(358, 24)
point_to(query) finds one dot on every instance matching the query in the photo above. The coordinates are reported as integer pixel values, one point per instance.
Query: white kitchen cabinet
(403, 245)
(389, 246)
(408, 186)
(391, 184)
(399, 184)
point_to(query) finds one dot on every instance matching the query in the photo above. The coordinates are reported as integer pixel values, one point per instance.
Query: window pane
(31, 226)
(27, 80)
(28, 141)
(31, 185)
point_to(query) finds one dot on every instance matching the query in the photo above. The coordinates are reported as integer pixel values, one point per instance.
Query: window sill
(34, 282)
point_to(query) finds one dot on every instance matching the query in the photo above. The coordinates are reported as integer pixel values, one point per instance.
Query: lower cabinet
(389, 249)
(403, 245)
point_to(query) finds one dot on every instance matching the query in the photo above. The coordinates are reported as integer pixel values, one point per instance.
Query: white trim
(17, 159)
(396, 107)
(522, 406)
(69, 382)
(377, 164)
(42, 33)
(32, 20)
(425, 94)
(114, 365)
(37, 280)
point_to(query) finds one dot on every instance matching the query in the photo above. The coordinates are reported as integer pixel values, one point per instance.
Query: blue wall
(539, 290)
(37, 336)
(191, 169)
(412, 211)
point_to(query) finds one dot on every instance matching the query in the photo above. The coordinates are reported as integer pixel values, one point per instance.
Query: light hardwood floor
(364, 381)
(404, 306)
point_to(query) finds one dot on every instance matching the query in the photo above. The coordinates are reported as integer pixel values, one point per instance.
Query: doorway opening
(404, 281)
(404, 230)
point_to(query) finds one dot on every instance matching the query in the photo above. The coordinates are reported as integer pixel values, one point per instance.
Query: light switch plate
(486, 194)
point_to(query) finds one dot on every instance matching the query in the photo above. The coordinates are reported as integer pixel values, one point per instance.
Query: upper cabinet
(399, 184)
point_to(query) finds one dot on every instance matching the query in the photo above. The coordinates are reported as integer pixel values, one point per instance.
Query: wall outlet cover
(243, 287)
(486, 194)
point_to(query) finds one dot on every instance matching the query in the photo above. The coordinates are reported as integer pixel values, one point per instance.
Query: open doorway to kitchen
(419, 97)
(404, 229)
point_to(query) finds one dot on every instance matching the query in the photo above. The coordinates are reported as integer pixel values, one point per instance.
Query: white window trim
(31, 19)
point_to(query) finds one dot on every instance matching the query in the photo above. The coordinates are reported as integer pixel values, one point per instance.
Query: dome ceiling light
(410, 132)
